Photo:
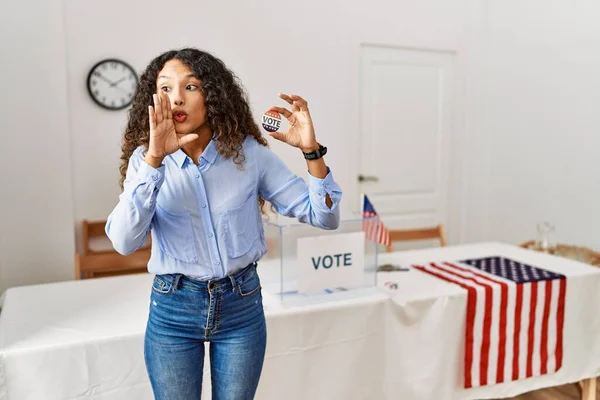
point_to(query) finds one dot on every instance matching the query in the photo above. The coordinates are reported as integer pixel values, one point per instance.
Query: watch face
(112, 83)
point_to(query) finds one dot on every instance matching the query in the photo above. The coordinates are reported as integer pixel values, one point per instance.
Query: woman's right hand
(164, 139)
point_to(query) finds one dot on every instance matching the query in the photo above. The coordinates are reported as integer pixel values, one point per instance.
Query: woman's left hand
(301, 132)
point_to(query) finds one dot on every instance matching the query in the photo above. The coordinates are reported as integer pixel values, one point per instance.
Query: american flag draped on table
(374, 229)
(514, 318)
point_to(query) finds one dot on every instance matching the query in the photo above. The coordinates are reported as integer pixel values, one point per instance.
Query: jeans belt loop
(232, 282)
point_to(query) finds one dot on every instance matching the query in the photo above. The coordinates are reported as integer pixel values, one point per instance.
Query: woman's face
(187, 101)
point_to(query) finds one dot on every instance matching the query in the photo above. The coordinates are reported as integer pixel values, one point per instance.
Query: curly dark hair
(228, 113)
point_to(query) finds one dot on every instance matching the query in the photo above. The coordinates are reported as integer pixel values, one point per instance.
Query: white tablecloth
(84, 339)
(425, 346)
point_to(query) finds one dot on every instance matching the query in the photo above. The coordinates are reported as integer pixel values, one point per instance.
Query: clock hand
(117, 82)
(104, 79)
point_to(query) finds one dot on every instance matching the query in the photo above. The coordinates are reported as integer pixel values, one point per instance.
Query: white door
(405, 135)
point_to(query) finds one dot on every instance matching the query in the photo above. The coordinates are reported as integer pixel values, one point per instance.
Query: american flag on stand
(514, 318)
(374, 229)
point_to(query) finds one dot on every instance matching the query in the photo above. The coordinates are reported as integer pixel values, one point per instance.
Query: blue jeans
(185, 313)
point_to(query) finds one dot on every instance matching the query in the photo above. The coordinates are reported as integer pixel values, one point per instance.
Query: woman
(196, 173)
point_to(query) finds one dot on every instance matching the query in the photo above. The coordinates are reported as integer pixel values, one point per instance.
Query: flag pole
(362, 203)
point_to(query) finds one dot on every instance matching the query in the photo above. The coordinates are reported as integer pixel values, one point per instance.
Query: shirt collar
(179, 156)
(209, 154)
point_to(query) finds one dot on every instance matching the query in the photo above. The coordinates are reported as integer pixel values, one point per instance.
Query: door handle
(363, 178)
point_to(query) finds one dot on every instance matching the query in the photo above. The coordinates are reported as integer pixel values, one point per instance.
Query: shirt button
(210, 235)
(217, 262)
(203, 205)
(197, 175)
(154, 177)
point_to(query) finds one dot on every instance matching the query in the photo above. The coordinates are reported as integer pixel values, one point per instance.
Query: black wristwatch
(315, 155)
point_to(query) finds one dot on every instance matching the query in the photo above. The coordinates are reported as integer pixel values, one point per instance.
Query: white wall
(36, 217)
(537, 122)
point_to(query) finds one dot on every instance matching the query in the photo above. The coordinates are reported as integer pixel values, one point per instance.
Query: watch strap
(315, 155)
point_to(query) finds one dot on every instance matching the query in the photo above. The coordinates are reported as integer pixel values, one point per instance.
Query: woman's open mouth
(179, 116)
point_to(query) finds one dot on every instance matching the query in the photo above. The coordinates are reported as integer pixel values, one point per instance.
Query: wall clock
(111, 83)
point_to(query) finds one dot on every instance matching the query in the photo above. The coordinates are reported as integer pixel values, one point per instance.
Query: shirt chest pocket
(241, 227)
(175, 233)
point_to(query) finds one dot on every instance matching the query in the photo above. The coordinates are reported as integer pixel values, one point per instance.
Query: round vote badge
(271, 121)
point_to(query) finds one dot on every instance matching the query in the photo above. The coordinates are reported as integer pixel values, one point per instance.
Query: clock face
(112, 84)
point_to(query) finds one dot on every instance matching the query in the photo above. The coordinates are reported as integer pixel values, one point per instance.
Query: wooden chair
(436, 232)
(92, 263)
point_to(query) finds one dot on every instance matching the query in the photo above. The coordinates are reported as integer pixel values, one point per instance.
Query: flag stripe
(531, 337)
(471, 307)
(502, 334)
(544, 340)
(560, 320)
(524, 336)
(510, 328)
(517, 333)
(487, 327)
(551, 346)
(539, 319)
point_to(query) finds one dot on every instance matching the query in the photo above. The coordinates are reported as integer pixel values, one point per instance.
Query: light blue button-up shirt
(205, 219)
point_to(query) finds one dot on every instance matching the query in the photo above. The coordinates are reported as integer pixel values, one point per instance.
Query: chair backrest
(436, 232)
(111, 264)
(94, 263)
(91, 230)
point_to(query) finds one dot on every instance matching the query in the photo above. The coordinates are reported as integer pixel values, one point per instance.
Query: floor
(566, 392)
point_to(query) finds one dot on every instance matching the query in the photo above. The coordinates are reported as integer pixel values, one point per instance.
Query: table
(84, 339)
(427, 319)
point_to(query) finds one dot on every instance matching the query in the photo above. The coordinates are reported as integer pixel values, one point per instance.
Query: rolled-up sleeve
(129, 223)
(291, 196)
(320, 188)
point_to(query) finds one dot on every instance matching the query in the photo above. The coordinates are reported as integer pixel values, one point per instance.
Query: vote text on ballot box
(314, 263)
